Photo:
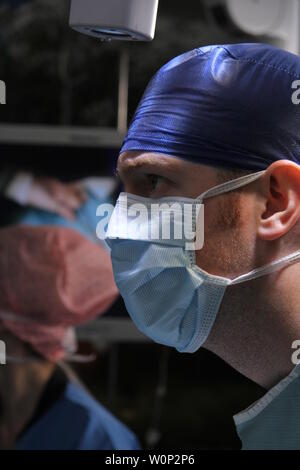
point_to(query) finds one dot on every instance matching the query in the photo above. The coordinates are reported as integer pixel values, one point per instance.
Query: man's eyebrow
(149, 164)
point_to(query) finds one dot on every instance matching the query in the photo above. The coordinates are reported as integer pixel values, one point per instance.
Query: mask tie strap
(230, 185)
(269, 268)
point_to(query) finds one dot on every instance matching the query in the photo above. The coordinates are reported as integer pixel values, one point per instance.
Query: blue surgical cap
(224, 105)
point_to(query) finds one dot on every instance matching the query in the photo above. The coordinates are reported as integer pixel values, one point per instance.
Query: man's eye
(153, 180)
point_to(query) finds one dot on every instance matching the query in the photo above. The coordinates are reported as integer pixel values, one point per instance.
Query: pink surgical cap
(51, 279)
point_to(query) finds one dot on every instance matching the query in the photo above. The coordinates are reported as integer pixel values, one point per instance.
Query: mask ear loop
(224, 188)
(221, 189)
(230, 185)
(262, 270)
(269, 268)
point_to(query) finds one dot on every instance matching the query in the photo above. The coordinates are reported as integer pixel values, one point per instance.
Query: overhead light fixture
(125, 20)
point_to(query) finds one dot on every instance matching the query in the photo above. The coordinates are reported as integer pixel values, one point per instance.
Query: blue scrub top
(272, 423)
(77, 422)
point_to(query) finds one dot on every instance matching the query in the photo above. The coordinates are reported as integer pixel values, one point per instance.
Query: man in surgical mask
(52, 279)
(217, 125)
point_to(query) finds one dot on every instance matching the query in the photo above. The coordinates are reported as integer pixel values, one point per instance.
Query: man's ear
(282, 200)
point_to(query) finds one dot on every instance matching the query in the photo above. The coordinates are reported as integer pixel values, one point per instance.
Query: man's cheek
(211, 239)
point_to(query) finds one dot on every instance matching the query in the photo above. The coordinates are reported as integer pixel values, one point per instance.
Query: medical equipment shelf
(110, 330)
(60, 136)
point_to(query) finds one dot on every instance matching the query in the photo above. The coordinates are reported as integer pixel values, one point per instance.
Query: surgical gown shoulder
(77, 422)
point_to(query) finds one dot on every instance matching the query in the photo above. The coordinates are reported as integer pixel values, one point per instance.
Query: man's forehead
(136, 158)
(131, 161)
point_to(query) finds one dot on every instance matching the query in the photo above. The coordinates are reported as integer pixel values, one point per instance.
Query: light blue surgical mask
(169, 298)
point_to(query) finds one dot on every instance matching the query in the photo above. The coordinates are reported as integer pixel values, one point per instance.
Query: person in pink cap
(52, 279)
